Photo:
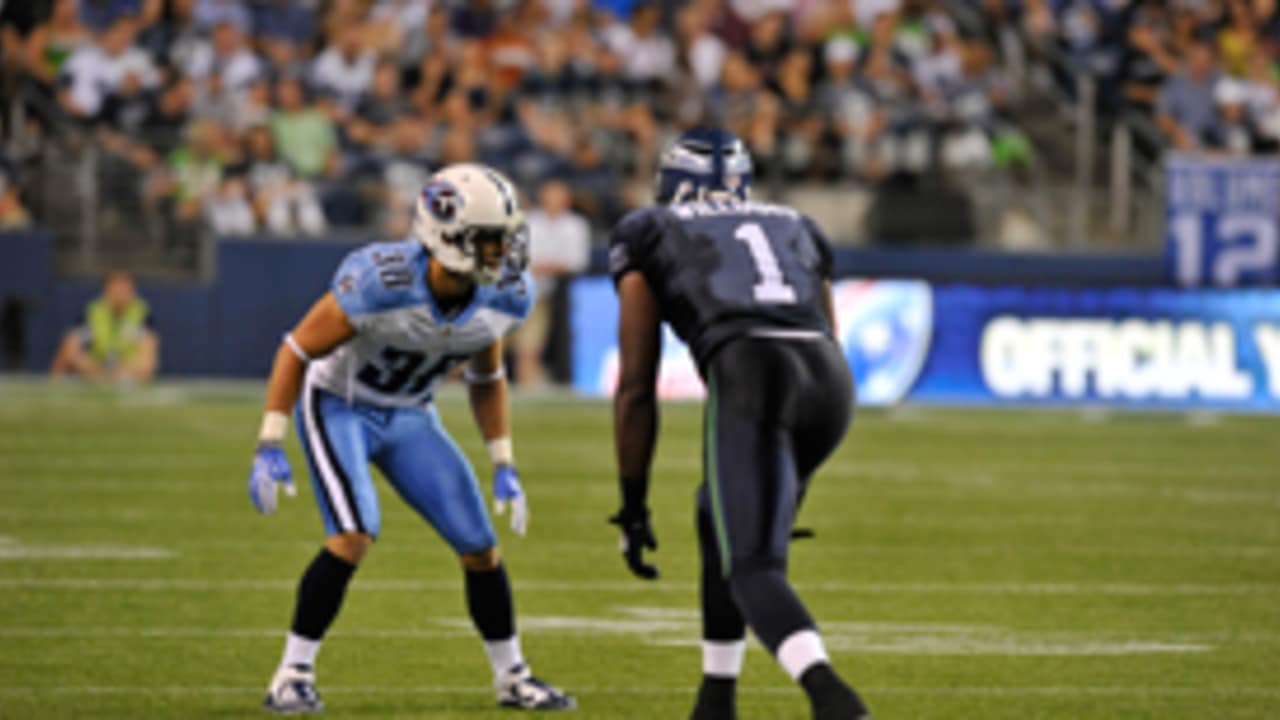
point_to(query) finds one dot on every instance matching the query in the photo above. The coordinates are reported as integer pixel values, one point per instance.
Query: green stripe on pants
(713, 475)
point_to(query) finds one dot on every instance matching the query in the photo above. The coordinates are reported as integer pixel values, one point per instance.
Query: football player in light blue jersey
(361, 368)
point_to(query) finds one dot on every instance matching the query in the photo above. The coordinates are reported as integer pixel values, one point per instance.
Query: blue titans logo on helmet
(443, 200)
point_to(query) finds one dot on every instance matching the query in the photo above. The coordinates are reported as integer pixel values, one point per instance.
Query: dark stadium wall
(228, 328)
(263, 285)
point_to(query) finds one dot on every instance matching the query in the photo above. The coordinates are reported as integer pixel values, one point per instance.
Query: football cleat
(518, 688)
(293, 692)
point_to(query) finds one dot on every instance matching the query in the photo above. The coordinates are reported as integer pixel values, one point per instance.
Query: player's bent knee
(744, 567)
(349, 546)
(482, 560)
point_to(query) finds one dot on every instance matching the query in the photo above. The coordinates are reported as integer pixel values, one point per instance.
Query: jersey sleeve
(826, 257)
(370, 280)
(515, 296)
(631, 242)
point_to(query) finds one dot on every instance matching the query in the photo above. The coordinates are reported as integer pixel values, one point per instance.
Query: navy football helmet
(701, 163)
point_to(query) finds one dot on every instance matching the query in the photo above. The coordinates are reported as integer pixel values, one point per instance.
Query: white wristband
(274, 425)
(493, 377)
(500, 451)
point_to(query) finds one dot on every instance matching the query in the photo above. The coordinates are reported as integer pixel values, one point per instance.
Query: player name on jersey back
(722, 208)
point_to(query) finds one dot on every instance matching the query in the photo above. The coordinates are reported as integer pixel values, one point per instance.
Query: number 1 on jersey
(772, 288)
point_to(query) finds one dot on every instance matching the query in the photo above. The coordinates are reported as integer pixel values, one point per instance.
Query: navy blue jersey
(722, 269)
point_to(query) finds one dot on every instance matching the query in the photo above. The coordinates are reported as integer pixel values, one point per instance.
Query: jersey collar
(477, 297)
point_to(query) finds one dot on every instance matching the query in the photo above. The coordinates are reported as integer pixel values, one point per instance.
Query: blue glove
(270, 470)
(507, 491)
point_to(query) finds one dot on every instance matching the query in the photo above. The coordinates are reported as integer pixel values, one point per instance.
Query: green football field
(967, 564)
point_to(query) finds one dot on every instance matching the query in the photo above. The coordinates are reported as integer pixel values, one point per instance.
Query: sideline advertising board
(908, 341)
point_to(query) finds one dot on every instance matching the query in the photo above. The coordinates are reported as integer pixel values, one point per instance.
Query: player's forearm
(489, 406)
(286, 381)
(635, 423)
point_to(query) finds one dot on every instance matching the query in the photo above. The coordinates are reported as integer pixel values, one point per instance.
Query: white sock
(299, 651)
(800, 651)
(723, 659)
(504, 654)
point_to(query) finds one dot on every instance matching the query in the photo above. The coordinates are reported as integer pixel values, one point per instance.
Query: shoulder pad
(378, 277)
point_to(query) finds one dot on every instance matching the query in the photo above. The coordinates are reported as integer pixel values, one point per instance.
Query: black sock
(830, 695)
(770, 605)
(320, 594)
(717, 690)
(716, 699)
(489, 600)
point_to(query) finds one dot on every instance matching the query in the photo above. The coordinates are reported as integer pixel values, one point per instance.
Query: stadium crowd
(293, 116)
(1205, 70)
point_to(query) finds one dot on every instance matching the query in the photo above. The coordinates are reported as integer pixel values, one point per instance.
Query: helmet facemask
(471, 251)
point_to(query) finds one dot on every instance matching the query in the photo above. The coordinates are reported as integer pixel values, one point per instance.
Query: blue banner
(885, 327)
(907, 341)
(1222, 221)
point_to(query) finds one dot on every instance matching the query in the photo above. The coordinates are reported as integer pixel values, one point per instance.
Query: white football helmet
(462, 207)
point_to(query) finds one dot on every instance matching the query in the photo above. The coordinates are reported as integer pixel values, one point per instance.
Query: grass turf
(968, 564)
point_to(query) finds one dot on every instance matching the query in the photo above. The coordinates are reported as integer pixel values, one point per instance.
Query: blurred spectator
(54, 41)
(304, 136)
(100, 15)
(1150, 56)
(96, 71)
(252, 108)
(224, 64)
(211, 13)
(167, 122)
(17, 20)
(123, 130)
(1233, 131)
(198, 187)
(1186, 104)
(114, 341)
(282, 30)
(510, 48)
(560, 248)
(13, 216)
(403, 176)
(800, 123)
(702, 53)
(853, 108)
(282, 202)
(343, 73)
(647, 53)
(743, 105)
(380, 108)
(768, 43)
(398, 28)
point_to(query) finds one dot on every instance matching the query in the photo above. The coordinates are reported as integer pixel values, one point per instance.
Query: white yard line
(630, 587)
(12, 548)
(981, 691)
(215, 633)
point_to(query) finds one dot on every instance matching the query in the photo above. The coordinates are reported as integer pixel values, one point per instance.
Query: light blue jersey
(369, 400)
(404, 345)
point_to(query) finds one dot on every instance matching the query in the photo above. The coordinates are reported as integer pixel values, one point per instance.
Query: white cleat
(293, 692)
(518, 688)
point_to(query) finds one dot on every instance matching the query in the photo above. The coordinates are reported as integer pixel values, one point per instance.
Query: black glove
(636, 535)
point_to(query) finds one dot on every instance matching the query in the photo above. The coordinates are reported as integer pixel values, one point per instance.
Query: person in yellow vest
(114, 341)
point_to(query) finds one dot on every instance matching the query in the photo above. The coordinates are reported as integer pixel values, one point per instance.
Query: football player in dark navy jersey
(747, 286)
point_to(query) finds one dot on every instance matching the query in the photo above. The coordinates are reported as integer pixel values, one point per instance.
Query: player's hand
(270, 470)
(637, 535)
(507, 492)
